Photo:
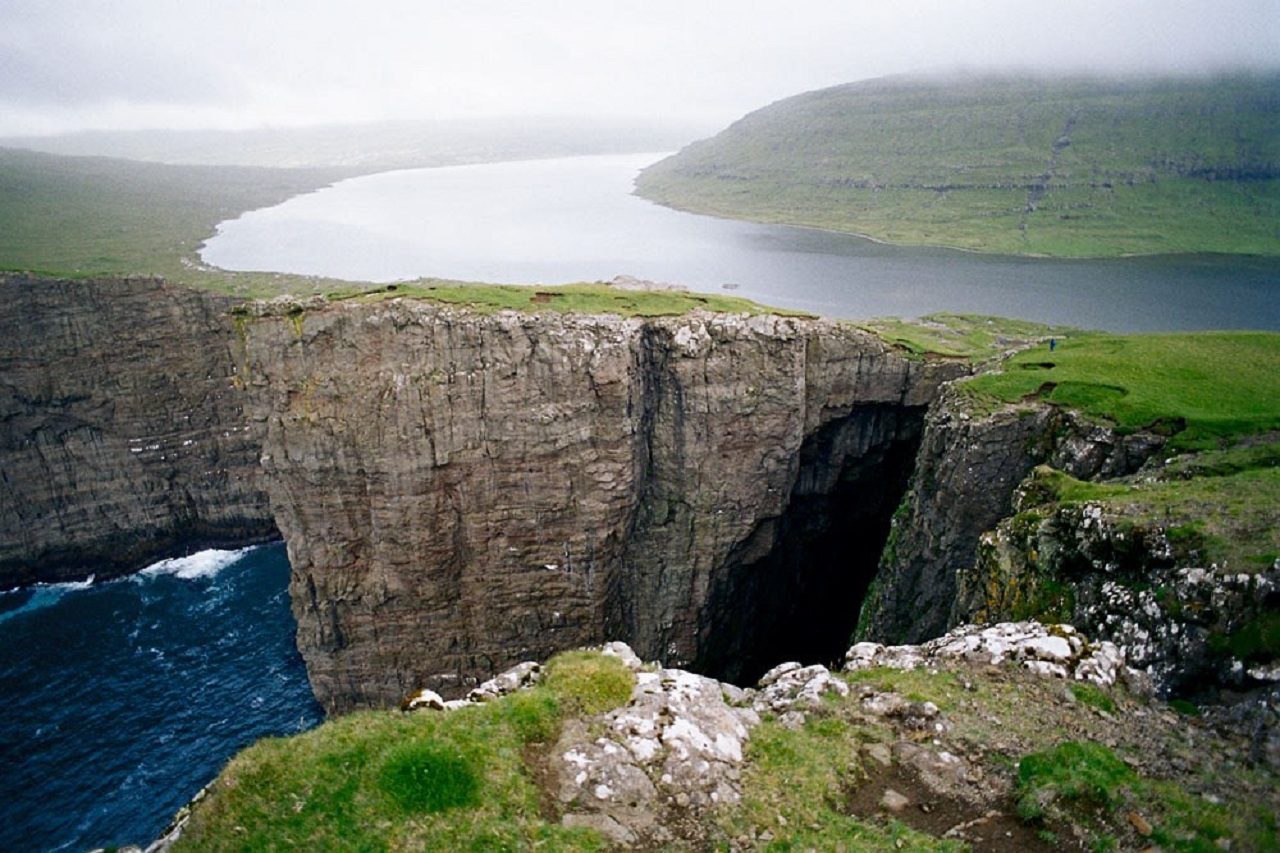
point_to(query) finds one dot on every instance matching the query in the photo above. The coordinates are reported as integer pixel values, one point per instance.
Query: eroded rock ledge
(460, 491)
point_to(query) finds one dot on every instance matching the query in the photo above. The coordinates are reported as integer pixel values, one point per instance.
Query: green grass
(584, 298)
(588, 682)
(1257, 641)
(426, 777)
(1094, 697)
(1152, 166)
(969, 336)
(1088, 784)
(1084, 774)
(918, 685)
(88, 216)
(803, 776)
(1204, 387)
(375, 780)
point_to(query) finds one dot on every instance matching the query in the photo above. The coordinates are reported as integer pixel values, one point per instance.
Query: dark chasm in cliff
(794, 589)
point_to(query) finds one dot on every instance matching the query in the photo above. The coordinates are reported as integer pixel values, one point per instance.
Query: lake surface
(574, 219)
(118, 701)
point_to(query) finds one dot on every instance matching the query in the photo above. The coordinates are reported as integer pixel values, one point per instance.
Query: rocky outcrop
(460, 491)
(1050, 650)
(122, 438)
(1191, 629)
(970, 463)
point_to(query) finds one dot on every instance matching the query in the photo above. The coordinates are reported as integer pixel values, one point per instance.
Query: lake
(574, 219)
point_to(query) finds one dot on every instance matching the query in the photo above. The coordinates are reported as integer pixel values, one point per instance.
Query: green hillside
(85, 216)
(1065, 167)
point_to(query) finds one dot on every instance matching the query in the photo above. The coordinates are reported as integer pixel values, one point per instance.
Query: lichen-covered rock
(792, 687)
(460, 491)
(676, 746)
(1124, 581)
(519, 677)
(1050, 650)
(122, 434)
(522, 675)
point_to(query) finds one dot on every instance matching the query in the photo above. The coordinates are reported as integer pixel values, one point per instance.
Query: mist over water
(122, 699)
(574, 219)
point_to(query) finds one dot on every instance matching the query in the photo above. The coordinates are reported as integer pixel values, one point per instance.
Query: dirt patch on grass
(986, 827)
(537, 763)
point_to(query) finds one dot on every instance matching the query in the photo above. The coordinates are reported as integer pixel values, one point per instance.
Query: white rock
(777, 672)
(1055, 649)
(624, 653)
(425, 699)
(893, 801)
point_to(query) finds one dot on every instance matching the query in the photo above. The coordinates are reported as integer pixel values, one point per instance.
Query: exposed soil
(995, 829)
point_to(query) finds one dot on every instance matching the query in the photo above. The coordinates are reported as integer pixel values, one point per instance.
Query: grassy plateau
(1203, 388)
(1021, 165)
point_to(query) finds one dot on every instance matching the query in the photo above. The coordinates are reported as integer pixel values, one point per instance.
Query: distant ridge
(1066, 166)
(376, 145)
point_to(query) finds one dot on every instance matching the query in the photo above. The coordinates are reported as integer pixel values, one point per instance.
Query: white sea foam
(43, 595)
(202, 564)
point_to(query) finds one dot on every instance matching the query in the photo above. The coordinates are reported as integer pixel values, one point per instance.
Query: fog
(122, 64)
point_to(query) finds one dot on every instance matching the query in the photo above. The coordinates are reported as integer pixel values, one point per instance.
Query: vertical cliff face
(970, 463)
(122, 437)
(460, 491)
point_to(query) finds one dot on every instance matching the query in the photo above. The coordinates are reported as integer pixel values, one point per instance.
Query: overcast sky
(73, 64)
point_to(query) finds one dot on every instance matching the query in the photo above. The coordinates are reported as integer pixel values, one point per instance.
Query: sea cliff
(463, 487)
(460, 490)
(122, 436)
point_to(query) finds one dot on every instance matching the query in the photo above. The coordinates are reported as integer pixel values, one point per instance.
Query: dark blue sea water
(118, 701)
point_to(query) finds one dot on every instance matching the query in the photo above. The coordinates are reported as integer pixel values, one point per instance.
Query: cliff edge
(461, 490)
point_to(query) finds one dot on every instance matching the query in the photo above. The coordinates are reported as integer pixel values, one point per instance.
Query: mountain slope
(1069, 167)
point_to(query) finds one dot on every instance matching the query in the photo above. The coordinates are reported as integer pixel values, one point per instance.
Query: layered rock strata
(122, 438)
(460, 491)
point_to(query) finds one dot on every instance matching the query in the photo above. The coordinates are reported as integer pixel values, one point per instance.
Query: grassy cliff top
(974, 337)
(1203, 388)
(1072, 167)
(578, 298)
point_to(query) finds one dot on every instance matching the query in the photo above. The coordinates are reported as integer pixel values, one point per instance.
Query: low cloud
(138, 63)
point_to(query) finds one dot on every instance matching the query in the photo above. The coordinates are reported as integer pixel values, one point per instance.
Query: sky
(129, 64)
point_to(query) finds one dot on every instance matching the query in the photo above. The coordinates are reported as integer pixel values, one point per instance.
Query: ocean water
(118, 701)
(575, 219)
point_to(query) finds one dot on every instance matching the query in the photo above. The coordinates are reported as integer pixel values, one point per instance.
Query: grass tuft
(1094, 697)
(1087, 774)
(586, 682)
(428, 777)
